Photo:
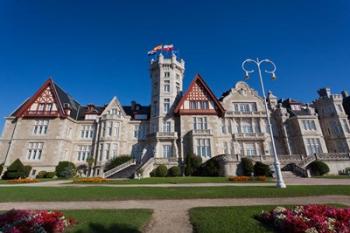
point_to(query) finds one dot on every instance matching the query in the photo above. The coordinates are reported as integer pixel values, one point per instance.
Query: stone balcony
(164, 135)
(249, 136)
(202, 132)
(245, 114)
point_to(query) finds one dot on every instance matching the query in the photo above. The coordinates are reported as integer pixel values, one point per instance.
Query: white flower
(311, 230)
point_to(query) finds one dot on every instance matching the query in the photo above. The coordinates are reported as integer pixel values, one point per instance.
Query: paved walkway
(289, 181)
(172, 215)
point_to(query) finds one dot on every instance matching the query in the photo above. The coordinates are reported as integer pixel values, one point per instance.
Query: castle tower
(167, 73)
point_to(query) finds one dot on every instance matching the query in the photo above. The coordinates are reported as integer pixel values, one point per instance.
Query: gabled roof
(62, 100)
(112, 103)
(58, 94)
(200, 82)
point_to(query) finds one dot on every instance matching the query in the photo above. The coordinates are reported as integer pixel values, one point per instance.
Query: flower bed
(28, 221)
(308, 219)
(90, 180)
(247, 178)
(23, 181)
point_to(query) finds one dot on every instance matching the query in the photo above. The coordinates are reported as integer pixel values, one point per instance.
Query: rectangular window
(107, 150)
(114, 150)
(41, 107)
(193, 105)
(166, 86)
(167, 126)
(166, 74)
(109, 128)
(166, 151)
(87, 131)
(136, 131)
(166, 105)
(203, 147)
(40, 127)
(250, 149)
(177, 87)
(309, 125)
(84, 152)
(49, 107)
(346, 125)
(244, 107)
(313, 146)
(34, 151)
(200, 123)
(246, 127)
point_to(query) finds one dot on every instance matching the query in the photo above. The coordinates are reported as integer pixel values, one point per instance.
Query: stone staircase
(288, 174)
(128, 172)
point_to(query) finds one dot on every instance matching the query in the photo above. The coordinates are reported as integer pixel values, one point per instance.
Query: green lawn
(172, 180)
(228, 219)
(99, 193)
(237, 219)
(108, 221)
(333, 177)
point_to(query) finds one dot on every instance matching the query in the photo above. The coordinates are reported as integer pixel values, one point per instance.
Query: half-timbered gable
(199, 100)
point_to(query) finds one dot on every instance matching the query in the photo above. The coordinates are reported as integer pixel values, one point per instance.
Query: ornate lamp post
(257, 62)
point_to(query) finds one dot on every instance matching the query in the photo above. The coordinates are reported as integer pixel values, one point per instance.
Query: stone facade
(51, 126)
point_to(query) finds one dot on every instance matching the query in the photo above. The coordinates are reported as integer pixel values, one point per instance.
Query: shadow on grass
(113, 228)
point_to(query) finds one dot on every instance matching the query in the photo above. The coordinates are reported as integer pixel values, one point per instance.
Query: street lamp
(257, 62)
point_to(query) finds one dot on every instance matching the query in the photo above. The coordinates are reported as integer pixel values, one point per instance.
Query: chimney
(133, 105)
(324, 92)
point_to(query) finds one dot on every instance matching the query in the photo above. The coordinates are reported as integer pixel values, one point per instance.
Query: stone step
(288, 174)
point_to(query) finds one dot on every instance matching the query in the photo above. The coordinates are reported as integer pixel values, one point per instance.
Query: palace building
(51, 126)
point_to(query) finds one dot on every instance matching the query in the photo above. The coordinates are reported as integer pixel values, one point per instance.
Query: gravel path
(172, 215)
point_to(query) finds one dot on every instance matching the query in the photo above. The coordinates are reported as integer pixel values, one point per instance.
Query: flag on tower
(168, 47)
(155, 50)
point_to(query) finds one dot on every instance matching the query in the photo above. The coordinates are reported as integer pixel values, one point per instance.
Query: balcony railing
(163, 135)
(249, 136)
(201, 132)
(248, 114)
(111, 117)
(41, 113)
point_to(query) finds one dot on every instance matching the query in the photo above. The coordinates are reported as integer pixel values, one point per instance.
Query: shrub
(153, 173)
(209, 168)
(23, 181)
(65, 169)
(192, 163)
(41, 174)
(247, 166)
(345, 172)
(27, 170)
(239, 178)
(34, 221)
(161, 171)
(318, 168)
(261, 169)
(50, 175)
(307, 218)
(90, 180)
(15, 170)
(114, 162)
(174, 171)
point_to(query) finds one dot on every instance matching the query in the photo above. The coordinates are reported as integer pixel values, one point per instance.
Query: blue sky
(97, 49)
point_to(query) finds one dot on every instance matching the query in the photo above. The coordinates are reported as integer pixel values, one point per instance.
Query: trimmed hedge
(112, 163)
(247, 166)
(50, 175)
(192, 164)
(41, 174)
(161, 171)
(261, 169)
(15, 170)
(209, 168)
(318, 168)
(66, 169)
(174, 171)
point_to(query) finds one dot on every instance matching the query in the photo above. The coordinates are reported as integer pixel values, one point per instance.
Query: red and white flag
(168, 47)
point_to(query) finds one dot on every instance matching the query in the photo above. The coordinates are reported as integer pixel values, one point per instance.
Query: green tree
(15, 170)
(192, 164)
(66, 169)
(247, 166)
